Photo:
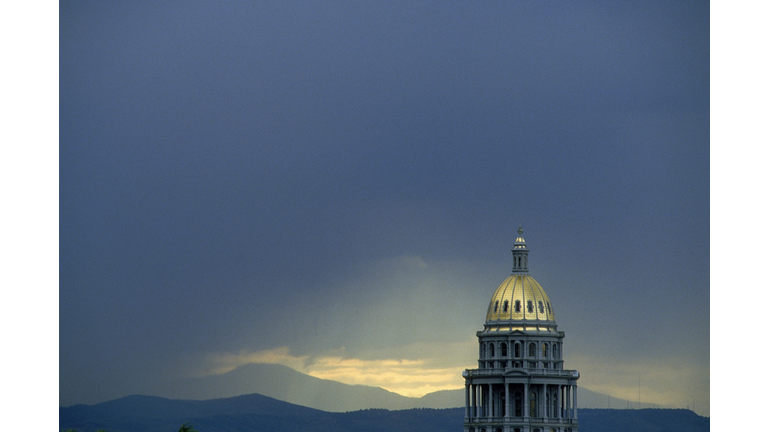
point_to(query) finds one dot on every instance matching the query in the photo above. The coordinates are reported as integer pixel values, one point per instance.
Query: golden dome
(519, 298)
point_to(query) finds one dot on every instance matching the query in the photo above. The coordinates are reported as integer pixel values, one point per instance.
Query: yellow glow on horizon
(418, 369)
(407, 377)
(411, 378)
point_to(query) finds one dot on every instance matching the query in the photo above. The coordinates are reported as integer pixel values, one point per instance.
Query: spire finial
(520, 230)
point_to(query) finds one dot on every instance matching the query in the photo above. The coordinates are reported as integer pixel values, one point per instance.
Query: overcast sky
(336, 186)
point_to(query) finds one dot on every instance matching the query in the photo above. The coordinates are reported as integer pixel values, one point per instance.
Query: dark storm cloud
(221, 165)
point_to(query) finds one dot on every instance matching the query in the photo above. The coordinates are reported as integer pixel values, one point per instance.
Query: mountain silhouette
(257, 413)
(286, 384)
(283, 383)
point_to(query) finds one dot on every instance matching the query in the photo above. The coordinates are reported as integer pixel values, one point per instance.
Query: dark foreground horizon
(257, 413)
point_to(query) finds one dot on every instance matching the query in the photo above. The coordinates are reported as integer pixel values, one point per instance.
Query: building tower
(520, 384)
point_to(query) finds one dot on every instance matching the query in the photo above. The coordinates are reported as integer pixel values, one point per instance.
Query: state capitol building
(520, 384)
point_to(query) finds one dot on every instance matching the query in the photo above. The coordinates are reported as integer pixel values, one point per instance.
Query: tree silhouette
(186, 427)
(100, 430)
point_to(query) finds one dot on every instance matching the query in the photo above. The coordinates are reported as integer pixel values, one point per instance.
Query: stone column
(480, 400)
(526, 411)
(575, 403)
(567, 401)
(546, 402)
(489, 413)
(466, 400)
(473, 410)
(506, 400)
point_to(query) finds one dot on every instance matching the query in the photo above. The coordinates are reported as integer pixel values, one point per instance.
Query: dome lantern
(520, 253)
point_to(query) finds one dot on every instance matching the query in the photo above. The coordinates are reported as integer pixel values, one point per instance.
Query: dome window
(506, 306)
(541, 307)
(549, 309)
(530, 306)
(496, 307)
(517, 306)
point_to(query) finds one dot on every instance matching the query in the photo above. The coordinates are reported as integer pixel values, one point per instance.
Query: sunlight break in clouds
(220, 363)
(407, 377)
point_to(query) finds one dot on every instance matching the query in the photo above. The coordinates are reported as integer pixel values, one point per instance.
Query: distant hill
(283, 383)
(247, 413)
(642, 420)
(257, 413)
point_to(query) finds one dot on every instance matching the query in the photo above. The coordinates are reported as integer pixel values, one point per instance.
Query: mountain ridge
(289, 385)
(285, 384)
(259, 413)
